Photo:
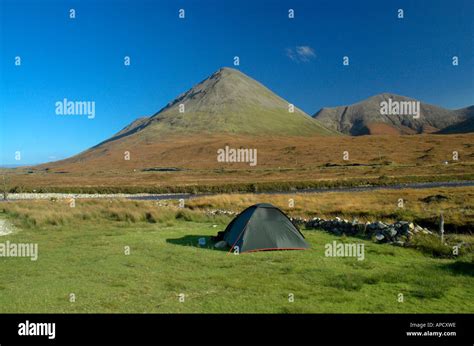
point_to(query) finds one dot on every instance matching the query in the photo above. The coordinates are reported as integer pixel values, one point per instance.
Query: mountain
(366, 117)
(226, 102)
(463, 126)
(227, 108)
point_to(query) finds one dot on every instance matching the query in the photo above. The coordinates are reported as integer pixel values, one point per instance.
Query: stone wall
(397, 233)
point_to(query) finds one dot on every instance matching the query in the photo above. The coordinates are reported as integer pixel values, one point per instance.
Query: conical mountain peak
(227, 71)
(228, 101)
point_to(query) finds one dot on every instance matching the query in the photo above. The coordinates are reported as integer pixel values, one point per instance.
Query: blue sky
(299, 59)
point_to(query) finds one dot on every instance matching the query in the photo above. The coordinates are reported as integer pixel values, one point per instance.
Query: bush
(432, 245)
(149, 218)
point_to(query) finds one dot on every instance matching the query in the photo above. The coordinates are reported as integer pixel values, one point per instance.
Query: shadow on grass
(460, 268)
(193, 240)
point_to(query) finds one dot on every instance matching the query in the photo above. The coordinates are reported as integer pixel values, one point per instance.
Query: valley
(190, 164)
(184, 147)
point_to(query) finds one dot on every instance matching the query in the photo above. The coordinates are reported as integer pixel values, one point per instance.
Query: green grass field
(87, 258)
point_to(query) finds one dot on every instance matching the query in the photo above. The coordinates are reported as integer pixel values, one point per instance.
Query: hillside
(365, 117)
(227, 102)
(463, 126)
(191, 161)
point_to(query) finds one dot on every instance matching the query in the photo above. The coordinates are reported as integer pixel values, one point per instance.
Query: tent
(263, 227)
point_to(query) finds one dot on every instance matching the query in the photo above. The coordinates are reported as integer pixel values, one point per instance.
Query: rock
(434, 198)
(392, 231)
(404, 228)
(372, 226)
(5, 228)
(398, 233)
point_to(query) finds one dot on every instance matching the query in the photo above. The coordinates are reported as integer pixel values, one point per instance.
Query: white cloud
(300, 53)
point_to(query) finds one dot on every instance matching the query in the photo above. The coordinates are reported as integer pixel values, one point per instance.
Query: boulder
(392, 231)
(360, 228)
(379, 236)
(404, 228)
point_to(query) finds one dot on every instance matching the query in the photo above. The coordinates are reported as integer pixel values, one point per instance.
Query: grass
(422, 206)
(81, 251)
(216, 187)
(284, 163)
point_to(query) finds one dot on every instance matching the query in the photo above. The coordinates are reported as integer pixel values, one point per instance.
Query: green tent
(263, 227)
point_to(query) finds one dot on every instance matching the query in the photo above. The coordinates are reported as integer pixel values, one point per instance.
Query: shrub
(149, 218)
(432, 245)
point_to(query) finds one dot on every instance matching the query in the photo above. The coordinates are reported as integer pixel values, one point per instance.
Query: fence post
(441, 227)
